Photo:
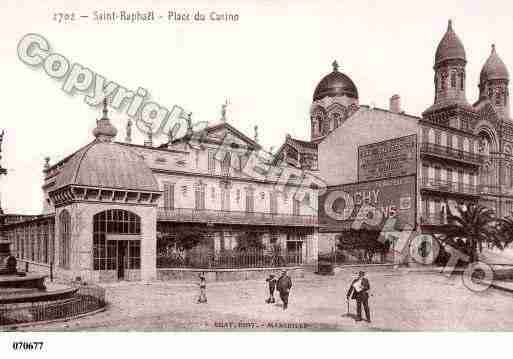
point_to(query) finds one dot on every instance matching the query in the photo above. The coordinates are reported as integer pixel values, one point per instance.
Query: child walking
(203, 289)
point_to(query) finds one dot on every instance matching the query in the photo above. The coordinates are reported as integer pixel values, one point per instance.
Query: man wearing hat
(283, 286)
(359, 291)
(272, 285)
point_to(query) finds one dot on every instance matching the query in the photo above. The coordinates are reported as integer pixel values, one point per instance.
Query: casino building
(107, 205)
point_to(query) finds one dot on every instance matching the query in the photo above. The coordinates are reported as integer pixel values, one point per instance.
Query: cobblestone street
(399, 301)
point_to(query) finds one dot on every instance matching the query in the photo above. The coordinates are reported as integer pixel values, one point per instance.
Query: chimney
(395, 104)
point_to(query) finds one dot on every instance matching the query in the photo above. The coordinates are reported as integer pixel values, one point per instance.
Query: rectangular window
(273, 198)
(423, 207)
(425, 171)
(226, 164)
(199, 196)
(169, 195)
(250, 200)
(211, 162)
(225, 199)
(460, 143)
(295, 207)
(437, 137)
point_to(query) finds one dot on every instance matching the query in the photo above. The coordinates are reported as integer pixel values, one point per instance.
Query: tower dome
(494, 68)
(335, 84)
(450, 47)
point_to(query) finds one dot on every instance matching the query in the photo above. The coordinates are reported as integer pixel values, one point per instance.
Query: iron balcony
(449, 153)
(436, 185)
(234, 217)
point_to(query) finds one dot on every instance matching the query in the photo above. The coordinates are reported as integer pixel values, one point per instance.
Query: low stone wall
(225, 275)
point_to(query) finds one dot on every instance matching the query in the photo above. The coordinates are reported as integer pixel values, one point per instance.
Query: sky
(267, 64)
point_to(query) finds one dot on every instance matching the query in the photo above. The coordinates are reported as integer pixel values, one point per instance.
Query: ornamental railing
(449, 152)
(230, 259)
(449, 186)
(235, 217)
(88, 298)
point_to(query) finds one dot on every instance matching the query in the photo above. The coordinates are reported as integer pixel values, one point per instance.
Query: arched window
(64, 239)
(453, 79)
(110, 250)
(498, 97)
(325, 126)
(443, 79)
(336, 120)
(462, 81)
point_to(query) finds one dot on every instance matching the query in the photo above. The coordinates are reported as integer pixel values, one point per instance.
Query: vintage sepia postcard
(254, 167)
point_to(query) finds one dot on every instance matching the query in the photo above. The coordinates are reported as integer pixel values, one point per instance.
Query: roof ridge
(79, 160)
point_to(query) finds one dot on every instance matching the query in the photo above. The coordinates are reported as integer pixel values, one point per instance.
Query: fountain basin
(36, 281)
(32, 296)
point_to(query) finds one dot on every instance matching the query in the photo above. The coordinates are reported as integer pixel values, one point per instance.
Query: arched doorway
(117, 244)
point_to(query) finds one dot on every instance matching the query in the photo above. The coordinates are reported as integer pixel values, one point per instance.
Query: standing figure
(203, 289)
(272, 285)
(283, 286)
(359, 291)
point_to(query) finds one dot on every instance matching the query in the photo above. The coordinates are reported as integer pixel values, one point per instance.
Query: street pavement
(400, 301)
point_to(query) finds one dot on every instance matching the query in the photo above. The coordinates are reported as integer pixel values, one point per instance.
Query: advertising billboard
(368, 205)
(391, 158)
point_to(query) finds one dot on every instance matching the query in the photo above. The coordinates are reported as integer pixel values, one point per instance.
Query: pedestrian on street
(271, 280)
(283, 286)
(359, 291)
(203, 289)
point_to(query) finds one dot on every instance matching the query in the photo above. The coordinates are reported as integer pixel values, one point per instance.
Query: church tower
(450, 61)
(493, 84)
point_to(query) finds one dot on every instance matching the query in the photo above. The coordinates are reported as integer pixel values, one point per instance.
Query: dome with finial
(104, 130)
(106, 164)
(450, 47)
(494, 68)
(335, 84)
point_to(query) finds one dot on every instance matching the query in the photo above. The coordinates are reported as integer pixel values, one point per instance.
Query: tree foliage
(249, 241)
(471, 226)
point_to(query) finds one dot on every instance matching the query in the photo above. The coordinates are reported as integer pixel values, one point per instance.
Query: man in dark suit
(283, 286)
(359, 291)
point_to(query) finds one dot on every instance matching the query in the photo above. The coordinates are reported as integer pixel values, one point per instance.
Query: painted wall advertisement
(369, 205)
(391, 158)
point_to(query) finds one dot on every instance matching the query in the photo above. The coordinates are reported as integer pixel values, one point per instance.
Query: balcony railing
(459, 188)
(231, 259)
(235, 217)
(448, 186)
(451, 153)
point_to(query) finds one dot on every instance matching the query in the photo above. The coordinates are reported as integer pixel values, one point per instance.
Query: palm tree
(471, 227)
(506, 229)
